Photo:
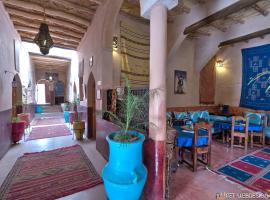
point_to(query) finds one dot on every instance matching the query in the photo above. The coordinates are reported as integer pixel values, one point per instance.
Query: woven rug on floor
(251, 170)
(49, 131)
(49, 175)
(48, 121)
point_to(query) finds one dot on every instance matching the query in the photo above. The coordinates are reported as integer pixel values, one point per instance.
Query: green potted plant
(18, 127)
(78, 123)
(124, 175)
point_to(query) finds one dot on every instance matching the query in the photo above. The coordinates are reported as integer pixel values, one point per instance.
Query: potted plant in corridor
(78, 124)
(124, 175)
(17, 129)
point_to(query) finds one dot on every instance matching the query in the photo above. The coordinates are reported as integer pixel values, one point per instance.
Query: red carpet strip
(48, 131)
(50, 175)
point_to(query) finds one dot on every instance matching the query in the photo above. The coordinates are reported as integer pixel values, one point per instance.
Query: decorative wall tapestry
(135, 49)
(256, 78)
(180, 82)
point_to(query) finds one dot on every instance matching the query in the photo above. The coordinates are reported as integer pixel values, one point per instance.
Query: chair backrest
(255, 118)
(202, 125)
(194, 116)
(205, 115)
(244, 122)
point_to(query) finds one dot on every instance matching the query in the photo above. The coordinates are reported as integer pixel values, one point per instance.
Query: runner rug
(49, 175)
(47, 127)
(251, 170)
(48, 131)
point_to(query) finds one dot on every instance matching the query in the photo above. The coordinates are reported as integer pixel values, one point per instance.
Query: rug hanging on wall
(256, 78)
(135, 51)
(50, 175)
(251, 170)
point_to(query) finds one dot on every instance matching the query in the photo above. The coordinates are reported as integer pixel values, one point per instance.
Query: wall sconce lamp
(115, 43)
(219, 63)
(6, 71)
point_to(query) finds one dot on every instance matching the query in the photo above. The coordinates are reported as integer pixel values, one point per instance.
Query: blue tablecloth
(226, 125)
(185, 138)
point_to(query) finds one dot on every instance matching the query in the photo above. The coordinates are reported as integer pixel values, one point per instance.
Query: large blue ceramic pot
(124, 175)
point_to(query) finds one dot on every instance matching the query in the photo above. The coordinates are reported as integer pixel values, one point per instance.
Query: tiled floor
(186, 185)
(95, 193)
(205, 184)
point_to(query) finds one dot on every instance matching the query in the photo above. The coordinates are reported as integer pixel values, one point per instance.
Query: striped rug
(251, 170)
(48, 127)
(49, 175)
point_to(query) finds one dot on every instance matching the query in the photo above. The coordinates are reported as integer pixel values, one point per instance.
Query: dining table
(239, 126)
(185, 136)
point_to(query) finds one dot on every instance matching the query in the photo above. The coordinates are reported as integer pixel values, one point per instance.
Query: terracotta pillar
(155, 145)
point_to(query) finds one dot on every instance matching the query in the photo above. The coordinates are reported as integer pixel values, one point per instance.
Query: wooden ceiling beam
(56, 29)
(53, 34)
(56, 43)
(50, 21)
(236, 20)
(69, 7)
(54, 38)
(56, 58)
(96, 1)
(244, 38)
(219, 27)
(49, 64)
(260, 10)
(37, 9)
(235, 7)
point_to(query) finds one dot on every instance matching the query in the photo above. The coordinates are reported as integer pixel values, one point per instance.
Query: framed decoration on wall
(180, 82)
(17, 55)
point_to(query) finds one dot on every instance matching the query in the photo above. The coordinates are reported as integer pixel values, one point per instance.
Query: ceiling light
(43, 39)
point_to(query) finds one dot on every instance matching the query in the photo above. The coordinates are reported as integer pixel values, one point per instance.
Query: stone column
(155, 146)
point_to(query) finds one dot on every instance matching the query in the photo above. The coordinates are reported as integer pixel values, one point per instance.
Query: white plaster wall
(229, 78)
(183, 60)
(7, 36)
(97, 42)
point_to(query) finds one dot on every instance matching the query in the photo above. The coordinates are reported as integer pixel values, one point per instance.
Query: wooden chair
(240, 134)
(258, 134)
(196, 150)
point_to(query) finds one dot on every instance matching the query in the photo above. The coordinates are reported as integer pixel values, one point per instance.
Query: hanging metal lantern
(43, 39)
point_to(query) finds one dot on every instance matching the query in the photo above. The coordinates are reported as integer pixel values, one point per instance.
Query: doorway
(91, 101)
(16, 96)
(42, 92)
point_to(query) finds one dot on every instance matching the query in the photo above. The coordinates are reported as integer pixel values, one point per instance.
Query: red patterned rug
(251, 170)
(49, 175)
(55, 130)
(48, 121)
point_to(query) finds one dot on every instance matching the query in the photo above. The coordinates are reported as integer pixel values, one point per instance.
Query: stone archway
(91, 107)
(17, 105)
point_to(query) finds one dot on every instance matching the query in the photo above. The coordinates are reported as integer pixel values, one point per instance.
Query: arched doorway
(91, 105)
(59, 92)
(16, 96)
(43, 92)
